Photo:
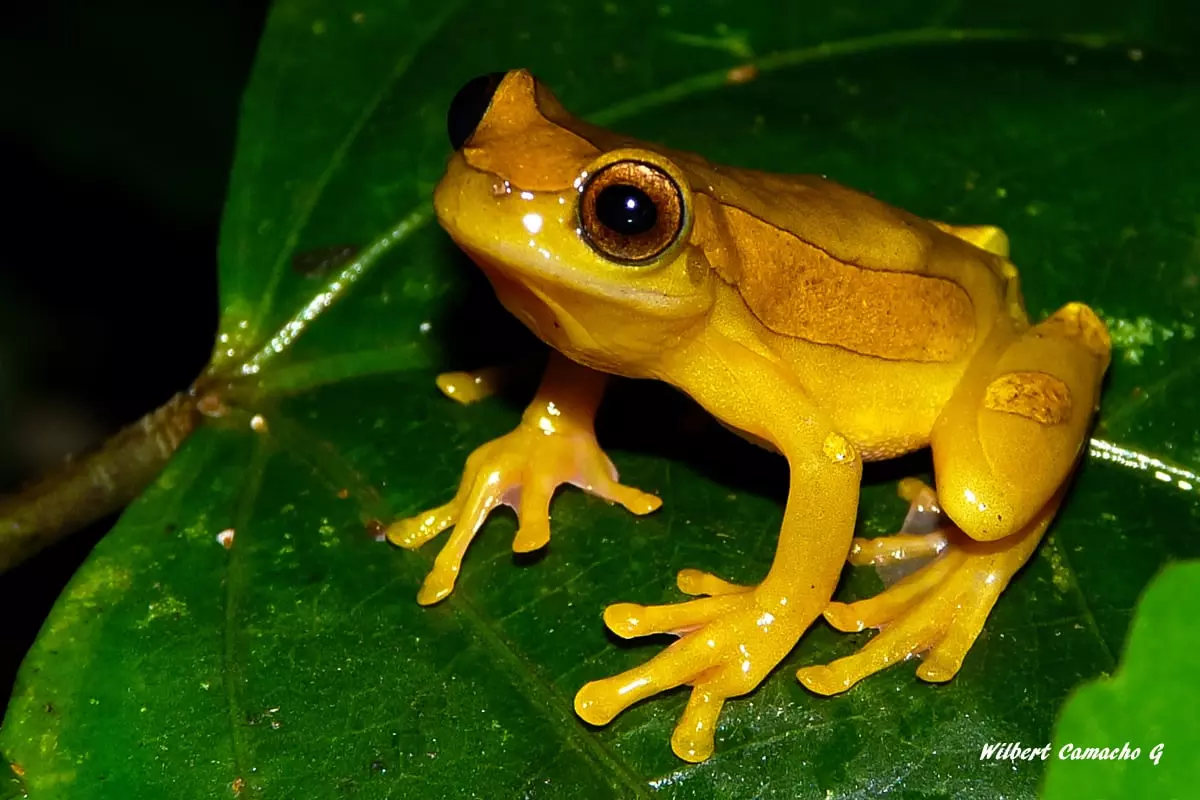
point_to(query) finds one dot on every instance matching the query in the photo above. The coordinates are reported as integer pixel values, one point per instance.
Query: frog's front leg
(554, 444)
(1003, 452)
(732, 639)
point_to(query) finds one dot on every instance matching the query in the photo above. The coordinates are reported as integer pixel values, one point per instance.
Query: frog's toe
(600, 701)
(635, 500)
(467, 515)
(629, 620)
(439, 583)
(923, 535)
(885, 550)
(883, 608)
(533, 535)
(693, 737)
(601, 479)
(895, 644)
(418, 529)
(945, 658)
(699, 582)
(533, 515)
(938, 610)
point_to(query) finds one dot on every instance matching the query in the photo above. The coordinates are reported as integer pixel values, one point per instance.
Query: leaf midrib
(278, 268)
(244, 509)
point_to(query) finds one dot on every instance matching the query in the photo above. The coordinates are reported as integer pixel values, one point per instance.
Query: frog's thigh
(985, 237)
(1011, 433)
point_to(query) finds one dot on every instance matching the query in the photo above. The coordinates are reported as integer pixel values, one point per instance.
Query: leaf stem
(99, 483)
(110, 478)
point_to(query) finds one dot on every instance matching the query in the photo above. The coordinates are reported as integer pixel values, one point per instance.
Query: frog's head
(583, 234)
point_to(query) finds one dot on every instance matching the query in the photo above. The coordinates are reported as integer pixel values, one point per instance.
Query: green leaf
(1144, 715)
(297, 664)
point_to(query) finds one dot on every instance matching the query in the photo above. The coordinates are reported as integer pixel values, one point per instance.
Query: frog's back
(818, 261)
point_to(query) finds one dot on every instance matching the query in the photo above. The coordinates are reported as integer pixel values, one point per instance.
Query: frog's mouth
(547, 276)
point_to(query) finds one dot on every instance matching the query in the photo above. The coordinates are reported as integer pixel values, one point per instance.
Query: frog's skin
(810, 318)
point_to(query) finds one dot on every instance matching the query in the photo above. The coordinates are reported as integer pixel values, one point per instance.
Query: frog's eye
(469, 105)
(631, 211)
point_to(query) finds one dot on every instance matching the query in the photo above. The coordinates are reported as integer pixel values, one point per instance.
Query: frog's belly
(885, 408)
(869, 450)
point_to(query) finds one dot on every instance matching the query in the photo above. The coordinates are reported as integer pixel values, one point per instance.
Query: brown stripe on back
(798, 290)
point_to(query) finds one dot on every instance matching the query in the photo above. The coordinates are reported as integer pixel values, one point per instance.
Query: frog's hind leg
(1003, 452)
(1012, 432)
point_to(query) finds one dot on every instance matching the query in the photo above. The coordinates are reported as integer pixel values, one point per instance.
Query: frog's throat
(550, 321)
(620, 350)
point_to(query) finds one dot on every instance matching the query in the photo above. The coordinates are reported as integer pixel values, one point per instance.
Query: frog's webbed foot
(938, 610)
(522, 469)
(729, 641)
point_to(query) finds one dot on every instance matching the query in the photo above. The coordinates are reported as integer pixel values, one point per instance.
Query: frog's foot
(700, 583)
(521, 469)
(938, 610)
(470, 387)
(728, 643)
(925, 532)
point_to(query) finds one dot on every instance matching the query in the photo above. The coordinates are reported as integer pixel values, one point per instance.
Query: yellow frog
(810, 318)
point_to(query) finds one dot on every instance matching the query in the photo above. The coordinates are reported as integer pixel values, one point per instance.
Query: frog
(812, 319)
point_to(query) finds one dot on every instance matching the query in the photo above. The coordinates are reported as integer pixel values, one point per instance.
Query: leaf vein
(1086, 608)
(243, 509)
(824, 51)
(525, 676)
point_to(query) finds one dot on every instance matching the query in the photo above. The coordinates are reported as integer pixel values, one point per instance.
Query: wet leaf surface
(297, 664)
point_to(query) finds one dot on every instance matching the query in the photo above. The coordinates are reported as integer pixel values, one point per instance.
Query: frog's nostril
(469, 105)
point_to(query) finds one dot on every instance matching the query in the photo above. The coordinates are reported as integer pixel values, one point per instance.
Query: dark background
(117, 123)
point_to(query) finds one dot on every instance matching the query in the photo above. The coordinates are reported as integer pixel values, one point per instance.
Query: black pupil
(626, 209)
